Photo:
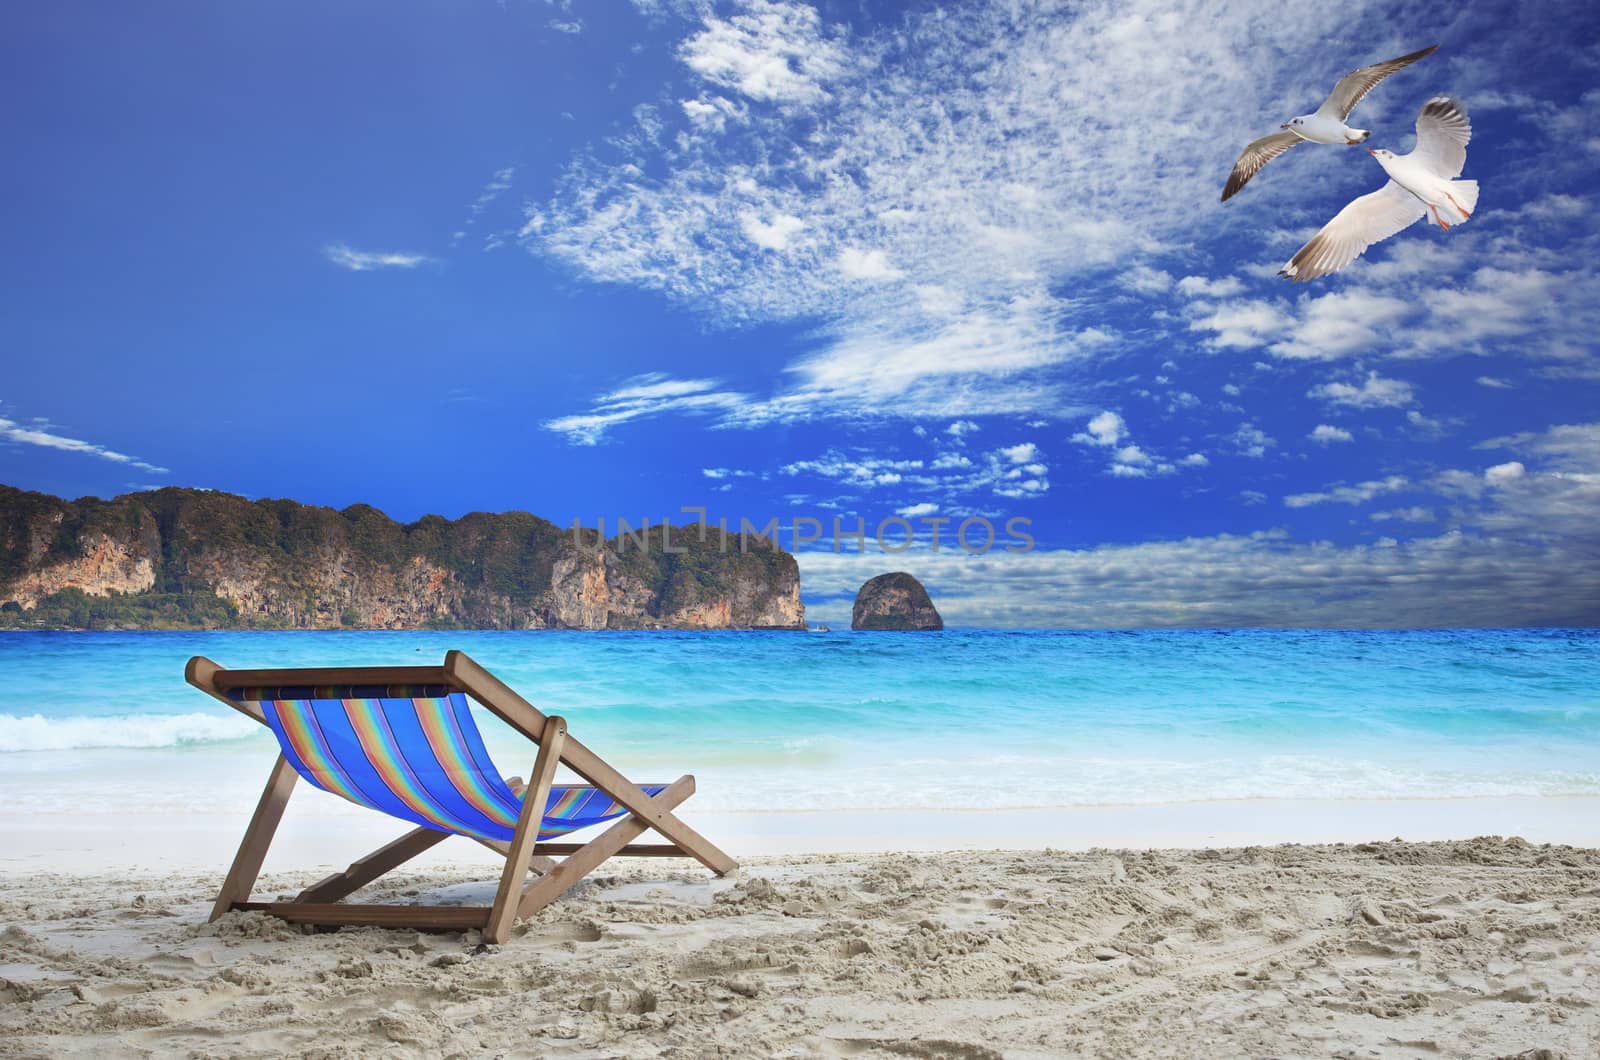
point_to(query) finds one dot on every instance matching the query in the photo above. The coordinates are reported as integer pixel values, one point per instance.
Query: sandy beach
(1183, 850)
(1488, 947)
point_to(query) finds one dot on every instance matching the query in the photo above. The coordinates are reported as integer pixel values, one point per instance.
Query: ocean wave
(35, 732)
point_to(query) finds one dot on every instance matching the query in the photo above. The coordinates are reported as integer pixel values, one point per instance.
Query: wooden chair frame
(320, 903)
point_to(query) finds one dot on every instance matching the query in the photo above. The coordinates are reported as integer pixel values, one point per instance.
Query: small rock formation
(894, 601)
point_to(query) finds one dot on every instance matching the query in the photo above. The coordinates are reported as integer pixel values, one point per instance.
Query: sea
(97, 723)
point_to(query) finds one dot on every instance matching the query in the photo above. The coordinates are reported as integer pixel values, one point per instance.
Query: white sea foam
(35, 732)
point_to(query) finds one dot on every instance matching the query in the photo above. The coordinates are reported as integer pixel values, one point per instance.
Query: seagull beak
(1285, 125)
(1371, 152)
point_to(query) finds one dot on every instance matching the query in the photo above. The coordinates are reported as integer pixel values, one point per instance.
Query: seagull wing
(1370, 219)
(1258, 154)
(1442, 134)
(1357, 83)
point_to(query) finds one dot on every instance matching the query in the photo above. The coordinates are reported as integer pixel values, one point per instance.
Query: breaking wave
(35, 732)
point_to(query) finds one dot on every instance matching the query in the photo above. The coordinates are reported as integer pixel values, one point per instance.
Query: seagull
(1420, 183)
(1326, 126)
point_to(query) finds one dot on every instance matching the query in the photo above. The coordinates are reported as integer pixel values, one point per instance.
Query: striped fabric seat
(413, 752)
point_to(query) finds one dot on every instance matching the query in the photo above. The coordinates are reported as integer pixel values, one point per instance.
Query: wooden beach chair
(401, 740)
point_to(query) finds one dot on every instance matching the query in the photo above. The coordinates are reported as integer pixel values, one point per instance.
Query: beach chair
(401, 740)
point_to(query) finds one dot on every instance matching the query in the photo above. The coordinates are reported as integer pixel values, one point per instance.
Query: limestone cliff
(177, 558)
(894, 601)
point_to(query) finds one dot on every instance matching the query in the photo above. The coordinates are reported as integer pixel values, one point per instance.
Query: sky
(890, 265)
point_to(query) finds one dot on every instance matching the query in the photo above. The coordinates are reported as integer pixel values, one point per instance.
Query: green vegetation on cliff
(75, 609)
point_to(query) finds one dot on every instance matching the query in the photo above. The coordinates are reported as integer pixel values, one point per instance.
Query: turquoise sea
(964, 718)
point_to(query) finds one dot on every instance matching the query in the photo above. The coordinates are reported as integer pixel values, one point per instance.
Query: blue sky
(781, 260)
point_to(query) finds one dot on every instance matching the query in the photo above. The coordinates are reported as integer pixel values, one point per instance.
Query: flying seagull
(1326, 126)
(1420, 183)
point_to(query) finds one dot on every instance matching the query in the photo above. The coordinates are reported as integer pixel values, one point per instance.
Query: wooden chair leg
(257, 838)
(559, 880)
(537, 863)
(529, 821)
(364, 870)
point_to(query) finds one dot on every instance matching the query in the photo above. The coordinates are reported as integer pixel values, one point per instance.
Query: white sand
(1479, 948)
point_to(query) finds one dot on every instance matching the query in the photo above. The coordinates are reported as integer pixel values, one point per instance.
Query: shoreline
(319, 834)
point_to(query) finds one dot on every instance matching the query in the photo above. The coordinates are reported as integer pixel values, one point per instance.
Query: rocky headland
(187, 559)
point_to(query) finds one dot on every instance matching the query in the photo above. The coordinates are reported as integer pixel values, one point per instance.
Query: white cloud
(1554, 207)
(1414, 514)
(949, 460)
(912, 511)
(369, 260)
(1131, 454)
(1494, 383)
(1374, 392)
(1568, 447)
(711, 113)
(572, 26)
(774, 235)
(642, 396)
(1105, 428)
(1019, 454)
(1015, 471)
(39, 434)
(1207, 287)
(1537, 301)
(1108, 430)
(861, 264)
(1360, 493)
(1326, 434)
(856, 471)
(979, 364)
(1340, 324)
(775, 52)
(1428, 425)
(1242, 325)
(1145, 280)
(1501, 474)
(1252, 441)
(1130, 461)
(1501, 303)
(1551, 494)
(498, 183)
